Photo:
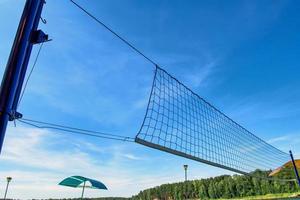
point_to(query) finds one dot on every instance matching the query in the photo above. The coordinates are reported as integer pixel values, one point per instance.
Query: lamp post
(8, 180)
(185, 171)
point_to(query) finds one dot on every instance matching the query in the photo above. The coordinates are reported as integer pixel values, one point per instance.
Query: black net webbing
(180, 122)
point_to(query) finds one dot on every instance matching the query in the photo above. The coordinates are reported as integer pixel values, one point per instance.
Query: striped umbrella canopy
(80, 181)
(286, 165)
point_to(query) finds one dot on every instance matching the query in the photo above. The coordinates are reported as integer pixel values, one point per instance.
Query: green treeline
(100, 198)
(221, 187)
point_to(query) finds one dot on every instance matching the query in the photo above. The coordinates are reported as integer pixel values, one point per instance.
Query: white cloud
(132, 157)
(27, 146)
(287, 142)
(38, 161)
(279, 139)
(198, 78)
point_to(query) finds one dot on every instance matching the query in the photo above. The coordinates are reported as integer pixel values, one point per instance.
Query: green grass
(268, 196)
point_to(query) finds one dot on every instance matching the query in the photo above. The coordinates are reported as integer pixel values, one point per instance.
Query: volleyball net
(180, 122)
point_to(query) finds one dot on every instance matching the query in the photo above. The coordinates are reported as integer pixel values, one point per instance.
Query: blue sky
(242, 56)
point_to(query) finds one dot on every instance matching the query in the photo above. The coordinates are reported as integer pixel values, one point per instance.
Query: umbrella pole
(83, 190)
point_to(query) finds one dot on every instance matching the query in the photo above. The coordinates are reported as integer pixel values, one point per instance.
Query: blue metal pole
(17, 62)
(295, 168)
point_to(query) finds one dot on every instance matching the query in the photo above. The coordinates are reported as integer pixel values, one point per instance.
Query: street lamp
(185, 171)
(8, 180)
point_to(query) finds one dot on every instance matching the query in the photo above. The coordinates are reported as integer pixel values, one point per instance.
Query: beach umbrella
(80, 181)
(288, 165)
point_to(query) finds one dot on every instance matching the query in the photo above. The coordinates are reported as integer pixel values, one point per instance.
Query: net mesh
(179, 121)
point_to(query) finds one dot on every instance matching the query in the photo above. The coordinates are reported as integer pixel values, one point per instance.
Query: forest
(236, 186)
(220, 187)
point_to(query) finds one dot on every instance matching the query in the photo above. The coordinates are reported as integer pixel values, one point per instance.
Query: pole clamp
(13, 115)
(39, 36)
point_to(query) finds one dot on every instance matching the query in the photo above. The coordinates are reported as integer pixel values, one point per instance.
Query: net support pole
(12, 81)
(295, 168)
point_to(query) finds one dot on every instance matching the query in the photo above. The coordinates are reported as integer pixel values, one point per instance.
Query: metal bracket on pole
(14, 115)
(295, 168)
(39, 36)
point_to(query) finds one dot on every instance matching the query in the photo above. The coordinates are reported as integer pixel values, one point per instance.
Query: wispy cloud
(45, 161)
(199, 77)
(287, 142)
(279, 139)
(132, 157)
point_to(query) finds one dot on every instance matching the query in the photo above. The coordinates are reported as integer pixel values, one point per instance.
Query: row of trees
(221, 187)
(101, 198)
